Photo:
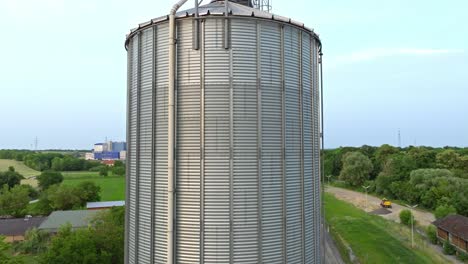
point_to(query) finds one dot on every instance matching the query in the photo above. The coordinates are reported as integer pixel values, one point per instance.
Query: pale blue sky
(388, 65)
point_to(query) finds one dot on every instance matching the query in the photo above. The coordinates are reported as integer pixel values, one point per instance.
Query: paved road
(332, 255)
(359, 200)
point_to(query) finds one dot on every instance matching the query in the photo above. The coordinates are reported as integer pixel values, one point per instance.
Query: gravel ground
(359, 200)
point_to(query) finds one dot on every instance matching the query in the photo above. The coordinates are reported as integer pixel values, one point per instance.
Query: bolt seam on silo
(153, 145)
(301, 111)
(283, 139)
(259, 146)
(137, 148)
(171, 133)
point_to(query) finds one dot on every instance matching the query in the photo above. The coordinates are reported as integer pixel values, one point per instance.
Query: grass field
(374, 239)
(112, 187)
(19, 167)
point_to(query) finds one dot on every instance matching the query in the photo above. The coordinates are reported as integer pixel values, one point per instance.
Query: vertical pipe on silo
(137, 149)
(153, 145)
(301, 114)
(259, 145)
(231, 144)
(171, 133)
(202, 146)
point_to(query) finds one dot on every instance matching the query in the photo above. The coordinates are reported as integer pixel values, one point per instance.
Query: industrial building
(223, 138)
(109, 150)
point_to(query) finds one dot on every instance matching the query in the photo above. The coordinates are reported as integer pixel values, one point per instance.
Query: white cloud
(373, 54)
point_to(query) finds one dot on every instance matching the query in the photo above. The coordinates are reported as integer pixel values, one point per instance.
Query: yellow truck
(386, 203)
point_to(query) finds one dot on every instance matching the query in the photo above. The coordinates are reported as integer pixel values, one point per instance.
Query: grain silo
(223, 138)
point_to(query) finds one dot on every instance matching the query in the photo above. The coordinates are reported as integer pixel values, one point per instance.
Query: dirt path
(359, 200)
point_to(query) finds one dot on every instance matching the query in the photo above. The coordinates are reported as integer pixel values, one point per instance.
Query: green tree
(383, 153)
(423, 157)
(356, 168)
(14, 201)
(109, 227)
(49, 178)
(74, 247)
(448, 159)
(104, 171)
(405, 217)
(10, 177)
(89, 192)
(119, 163)
(103, 242)
(443, 210)
(119, 171)
(396, 171)
(64, 197)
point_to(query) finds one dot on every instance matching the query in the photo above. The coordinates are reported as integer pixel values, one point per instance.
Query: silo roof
(218, 8)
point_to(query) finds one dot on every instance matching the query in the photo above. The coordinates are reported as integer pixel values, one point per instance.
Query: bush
(431, 233)
(119, 171)
(444, 210)
(462, 257)
(35, 241)
(49, 178)
(5, 255)
(405, 217)
(104, 171)
(448, 249)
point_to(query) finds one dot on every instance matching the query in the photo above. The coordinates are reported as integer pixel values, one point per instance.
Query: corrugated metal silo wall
(247, 144)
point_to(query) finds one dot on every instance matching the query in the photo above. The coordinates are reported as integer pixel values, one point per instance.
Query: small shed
(453, 228)
(103, 205)
(77, 219)
(15, 228)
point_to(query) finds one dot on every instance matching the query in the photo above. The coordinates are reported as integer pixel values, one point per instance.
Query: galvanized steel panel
(188, 147)
(244, 142)
(145, 145)
(161, 84)
(271, 139)
(217, 145)
(293, 145)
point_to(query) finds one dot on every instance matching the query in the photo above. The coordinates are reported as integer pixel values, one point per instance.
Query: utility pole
(412, 217)
(329, 176)
(366, 187)
(36, 141)
(399, 138)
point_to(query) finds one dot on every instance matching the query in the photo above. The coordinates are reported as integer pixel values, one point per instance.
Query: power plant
(223, 138)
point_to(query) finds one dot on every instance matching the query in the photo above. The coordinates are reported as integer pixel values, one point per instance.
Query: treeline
(434, 178)
(43, 161)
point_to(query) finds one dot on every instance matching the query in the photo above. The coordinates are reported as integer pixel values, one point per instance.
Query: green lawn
(374, 239)
(112, 187)
(19, 167)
